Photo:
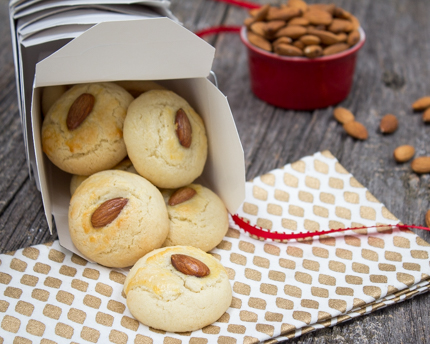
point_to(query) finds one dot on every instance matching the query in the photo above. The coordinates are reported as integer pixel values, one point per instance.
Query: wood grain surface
(393, 70)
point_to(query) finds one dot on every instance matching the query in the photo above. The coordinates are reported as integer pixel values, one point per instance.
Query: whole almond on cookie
(108, 211)
(421, 165)
(183, 128)
(79, 110)
(404, 153)
(343, 115)
(181, 195)
(388, 124)
(421, 104)
(356, 130)
(189, 265)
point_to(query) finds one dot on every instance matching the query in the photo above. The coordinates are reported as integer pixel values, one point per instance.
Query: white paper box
(149, 49)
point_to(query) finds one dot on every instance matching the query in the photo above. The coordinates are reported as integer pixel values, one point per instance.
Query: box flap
(157, 49)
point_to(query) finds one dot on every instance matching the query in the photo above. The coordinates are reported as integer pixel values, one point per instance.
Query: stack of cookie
(134, 150)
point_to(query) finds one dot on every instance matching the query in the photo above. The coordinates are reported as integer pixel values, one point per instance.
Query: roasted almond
(292, 31)
(260, 13)
(388, 124)
(183, 128)
(421, 164)
(341, 13)
(79, 110)
(356, 130)
(335, 49)
(272, 27)
(340, 25)
(299, 44)
(404, 153)
(353, 38)
(284, 40)
(318, 17)
(108, 211)
(428, 218)
(355, 22)
(327, 38)
(342, 37)
(343, 115)
(298, 21)
(426, 116)
(285, 13)
(181, 195)
(300, 4)
(310, 40)
(288, 50)
(421, 104)
(259, 41)
(313, 51)
(259, 28)
(189, 265)
(322, 7)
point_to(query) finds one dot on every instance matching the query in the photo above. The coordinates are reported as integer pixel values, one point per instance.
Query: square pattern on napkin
(280, 290)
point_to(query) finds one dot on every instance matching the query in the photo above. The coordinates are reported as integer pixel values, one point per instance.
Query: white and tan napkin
(280, 290)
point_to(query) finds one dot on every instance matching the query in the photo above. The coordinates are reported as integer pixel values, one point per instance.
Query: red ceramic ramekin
(301, 83)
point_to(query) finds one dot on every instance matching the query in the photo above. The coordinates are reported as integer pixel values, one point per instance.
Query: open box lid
(148, 49)
(153, 49)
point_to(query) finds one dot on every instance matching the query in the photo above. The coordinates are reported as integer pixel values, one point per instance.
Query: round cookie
(161, 296)
(153, 144)
(94, 143)
(136, 209)
(200, 221)
(124, 165)
(137, 87)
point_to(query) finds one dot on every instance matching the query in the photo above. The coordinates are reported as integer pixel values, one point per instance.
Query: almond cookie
(137, 87)
(178, 289)
(165, 139)
(82, 132)
(197, 216)
(116, 217)
(124, 165)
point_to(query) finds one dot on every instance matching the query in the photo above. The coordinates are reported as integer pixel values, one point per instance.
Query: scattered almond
(426, 116)
(343, 115)
(79, 110)
(388, 124)
(183, 128)
(428, 218)
(181, 195)
(356, 130)
(108, 211)
(189, 265)
(421, 104)
(404, 153)
(421, 165)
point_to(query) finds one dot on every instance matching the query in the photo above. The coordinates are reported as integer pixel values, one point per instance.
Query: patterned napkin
(280, 290)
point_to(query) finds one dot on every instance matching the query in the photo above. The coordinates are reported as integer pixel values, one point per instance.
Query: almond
(299, 21)
(108, 211)
(310, 40)
(421, 104)
(326, 37)
(355, 22)
(341, 13)
(426, 116)
(183, 128)
(353, 38)
(292, 31)
(340, 25)
(421, 164)
(181, 195)
(335, 49)
(356, 130)
(79, 110)
(260, 13)
(428, 218)
(258, 28)
(342, 37)
(343, 115)
(388, 124)
(272, 27)
(299, 44)
(322, 7)
(288, 50)
(300, 4)
(313, 51)
(318, 17)
(285, 13)
(284, 40)
(404, 153)
(259, 41)
(189, 265)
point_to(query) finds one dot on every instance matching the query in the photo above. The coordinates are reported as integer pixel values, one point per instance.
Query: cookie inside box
(224, 168)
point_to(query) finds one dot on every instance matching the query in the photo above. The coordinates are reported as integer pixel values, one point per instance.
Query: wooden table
(393, 70)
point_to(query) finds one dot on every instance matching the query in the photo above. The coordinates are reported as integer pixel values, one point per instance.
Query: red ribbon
(217, 29)
(276, 236)
(245, 4)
